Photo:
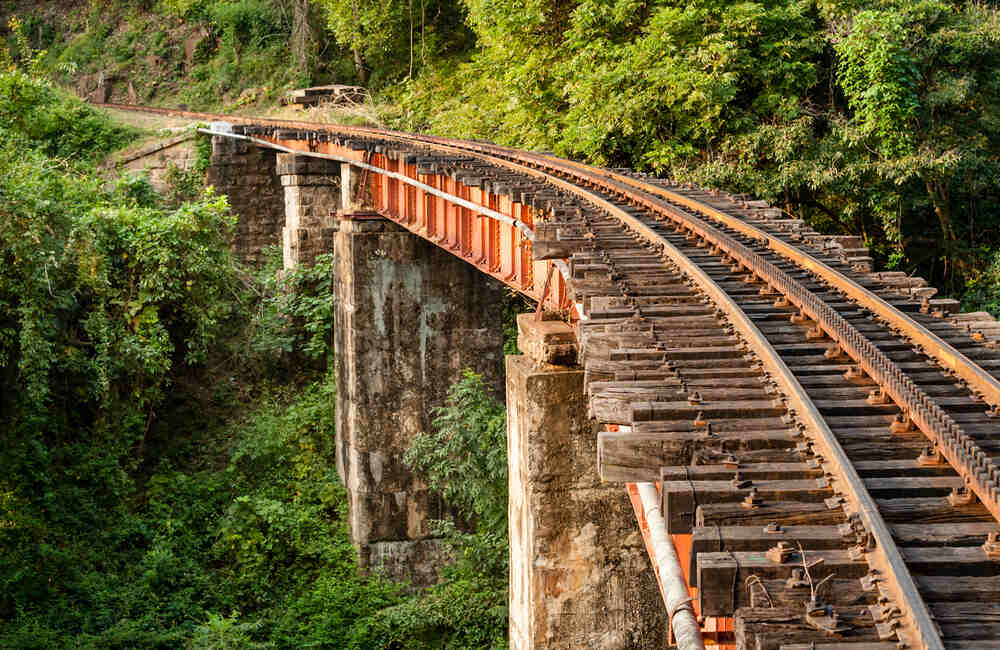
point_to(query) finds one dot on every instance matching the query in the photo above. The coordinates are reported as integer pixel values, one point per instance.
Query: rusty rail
(885, 557)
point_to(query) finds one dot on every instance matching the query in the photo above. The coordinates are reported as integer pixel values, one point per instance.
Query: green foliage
(264, 531)
(186, 184)
(50, 119)
(389, 39)
(184, 8)
(226, 633)
(867, 117)
(92, 296)
(465, 458)
(23, 54)
(104, 302)
(983, 291)
(466, 610)
(293, 320)
(247, 23)
(182, 184)
(879, 73)
(514, 304)
(133, 407)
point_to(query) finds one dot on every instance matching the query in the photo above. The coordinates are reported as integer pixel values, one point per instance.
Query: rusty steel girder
(488, 230)
(491, 231)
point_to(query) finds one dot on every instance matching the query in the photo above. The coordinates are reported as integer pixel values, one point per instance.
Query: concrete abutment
(579, 573)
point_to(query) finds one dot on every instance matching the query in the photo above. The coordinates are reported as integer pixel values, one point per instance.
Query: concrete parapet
(579, 573)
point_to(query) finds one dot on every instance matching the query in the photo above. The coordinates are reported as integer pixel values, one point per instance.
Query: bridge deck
(822, 437)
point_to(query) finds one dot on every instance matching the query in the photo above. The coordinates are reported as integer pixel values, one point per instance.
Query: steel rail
(947, 355)
(885, 557)
(961, 451)
(980, 473)
(978, 470)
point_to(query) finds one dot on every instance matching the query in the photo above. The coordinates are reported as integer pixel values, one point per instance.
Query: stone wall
(409, 318)
(312, 200)
(156, 159)
(246, 174)
(579, 573)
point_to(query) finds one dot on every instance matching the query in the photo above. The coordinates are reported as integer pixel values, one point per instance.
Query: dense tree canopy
(166, 425)
(872, 117)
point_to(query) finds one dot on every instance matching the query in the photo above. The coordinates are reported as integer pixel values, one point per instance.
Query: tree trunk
(938, 192)
(359, 59)
(359, 66)
(302, 37)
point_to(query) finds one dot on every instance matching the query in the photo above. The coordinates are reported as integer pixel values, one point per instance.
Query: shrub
(55, 122)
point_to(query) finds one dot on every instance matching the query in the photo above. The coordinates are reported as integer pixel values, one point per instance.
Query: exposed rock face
(95, 88)
(409, 318)
(579, 573)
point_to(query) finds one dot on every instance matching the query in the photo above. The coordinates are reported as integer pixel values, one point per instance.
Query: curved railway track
(828, 443)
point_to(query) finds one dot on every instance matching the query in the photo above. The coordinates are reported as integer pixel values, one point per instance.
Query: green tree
(392, 38)
(920, 81)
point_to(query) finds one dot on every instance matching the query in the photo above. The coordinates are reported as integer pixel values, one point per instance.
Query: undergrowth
(166, 426)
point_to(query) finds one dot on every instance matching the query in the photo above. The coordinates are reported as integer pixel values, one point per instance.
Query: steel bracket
(833, 352)
(930, 456)
(824, 617)
(870, 582)
(773, 528)
(961, 496)
(797, 580)
(887, 630)
(780, 553)
(878, 397)
(902, 424)
(992, 545)
(834, 503)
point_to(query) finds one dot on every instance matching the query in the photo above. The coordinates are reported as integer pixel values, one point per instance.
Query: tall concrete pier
(410, 316)
(579, 573)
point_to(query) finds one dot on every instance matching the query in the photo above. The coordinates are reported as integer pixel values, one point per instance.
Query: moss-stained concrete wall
(579, 573)
(409, 318)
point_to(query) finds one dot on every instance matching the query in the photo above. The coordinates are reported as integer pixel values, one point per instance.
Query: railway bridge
(724, 428)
